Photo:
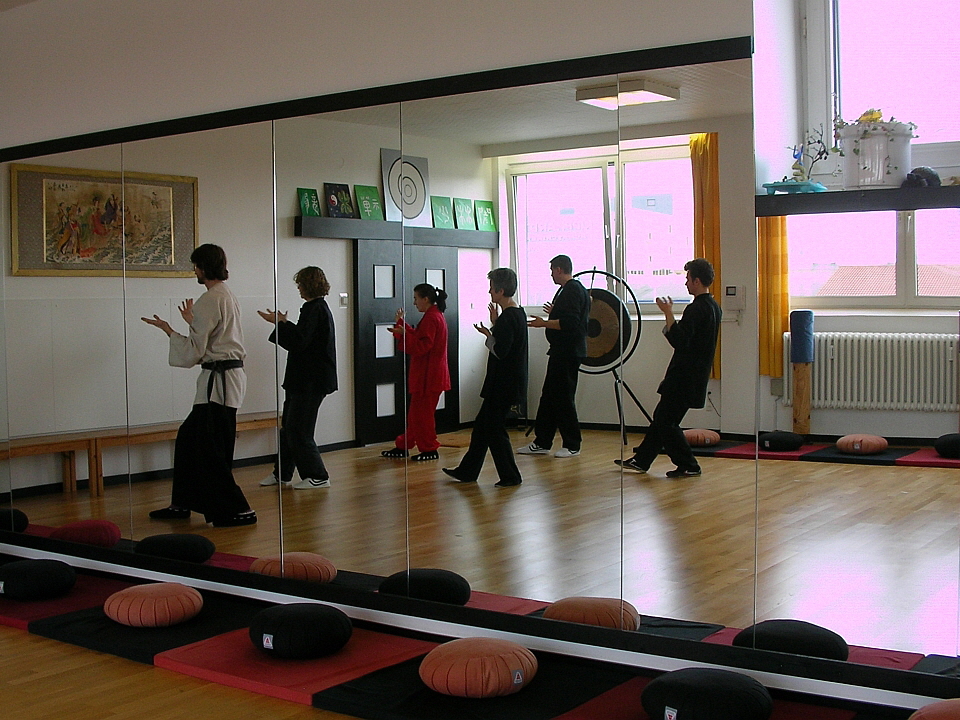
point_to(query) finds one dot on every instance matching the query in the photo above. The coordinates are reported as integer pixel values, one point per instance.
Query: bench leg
(68, 461)
(95, 467)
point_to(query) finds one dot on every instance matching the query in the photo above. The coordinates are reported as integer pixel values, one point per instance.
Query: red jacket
(426, 344)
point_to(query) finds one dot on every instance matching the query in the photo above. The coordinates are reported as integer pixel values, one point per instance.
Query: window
(562, 207)
(875, 259)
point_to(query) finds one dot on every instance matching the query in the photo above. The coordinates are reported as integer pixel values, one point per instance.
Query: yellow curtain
(704, 158)
(773, 293)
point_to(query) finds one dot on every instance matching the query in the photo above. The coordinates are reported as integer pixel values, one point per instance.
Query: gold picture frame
(74, 222)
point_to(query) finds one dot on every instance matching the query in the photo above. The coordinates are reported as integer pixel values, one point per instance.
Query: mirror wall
(84, 360)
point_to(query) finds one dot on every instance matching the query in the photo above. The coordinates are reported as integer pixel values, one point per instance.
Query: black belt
(220, 367)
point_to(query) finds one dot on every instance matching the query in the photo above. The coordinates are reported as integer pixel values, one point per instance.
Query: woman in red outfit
(426, 344)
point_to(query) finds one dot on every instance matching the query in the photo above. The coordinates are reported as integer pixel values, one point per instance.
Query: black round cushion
(707, 694)
(948, 446)
(177, 546)
(796, 637)
(428, 584)
(780, 441)
(300, 631)
(13, 519)
(36, 579)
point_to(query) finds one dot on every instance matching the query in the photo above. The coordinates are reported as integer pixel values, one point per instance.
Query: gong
(610, 337)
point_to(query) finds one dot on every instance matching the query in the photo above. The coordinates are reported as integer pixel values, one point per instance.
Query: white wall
(77, 66)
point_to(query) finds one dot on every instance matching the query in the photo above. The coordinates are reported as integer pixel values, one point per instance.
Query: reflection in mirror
(539, 159)
(64, 303)
(866, 544)
(222, 189)
(358, 522)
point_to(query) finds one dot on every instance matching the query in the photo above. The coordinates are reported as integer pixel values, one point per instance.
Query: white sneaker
(565, 453)
(269, 480)
(308, 483)
(533, 449)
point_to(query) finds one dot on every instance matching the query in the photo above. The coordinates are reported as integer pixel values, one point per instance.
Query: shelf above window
(847, 201)
(353, 229)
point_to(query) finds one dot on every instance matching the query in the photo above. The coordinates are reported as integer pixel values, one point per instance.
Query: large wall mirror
(681, 550)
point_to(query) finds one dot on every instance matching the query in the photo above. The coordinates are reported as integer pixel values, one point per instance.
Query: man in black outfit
(310, 376)
(566, 331)
(684, 386)
(503, 386)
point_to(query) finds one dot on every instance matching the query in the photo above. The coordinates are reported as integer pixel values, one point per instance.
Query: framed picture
(368, 202)
(309, 202)
(442, 212)
(339, 201)
(484, 210)
(67, 221)
(463, 211)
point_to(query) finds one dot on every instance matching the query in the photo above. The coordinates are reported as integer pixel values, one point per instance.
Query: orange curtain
(773, 295)
(704, 158)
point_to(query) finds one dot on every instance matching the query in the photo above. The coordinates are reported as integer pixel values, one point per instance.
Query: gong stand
(610, 340)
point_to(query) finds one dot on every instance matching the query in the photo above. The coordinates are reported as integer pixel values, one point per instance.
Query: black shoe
(394, 453)
(504, 483)
(170, 513)
(684, 473)
(244, 518)
(431, 455)
(630, 464)
(452, 472)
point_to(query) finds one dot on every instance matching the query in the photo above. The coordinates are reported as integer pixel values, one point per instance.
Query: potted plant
(876, 152)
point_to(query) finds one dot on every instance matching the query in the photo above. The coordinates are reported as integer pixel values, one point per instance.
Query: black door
(383, 283)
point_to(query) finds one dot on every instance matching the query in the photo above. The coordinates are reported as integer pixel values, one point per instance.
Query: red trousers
(421, 423)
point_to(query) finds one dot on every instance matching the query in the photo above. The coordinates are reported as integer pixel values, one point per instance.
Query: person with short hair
(566, 331)
(310, 375)
(504, 384)
(203, 454)
(684, 386)
(429, 375)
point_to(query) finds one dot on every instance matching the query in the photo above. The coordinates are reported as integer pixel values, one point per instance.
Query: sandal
(394, 453)
(170, 513)
(431, 455)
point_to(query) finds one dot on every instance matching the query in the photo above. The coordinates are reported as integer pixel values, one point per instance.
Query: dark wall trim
(738, 48)
(845, 201)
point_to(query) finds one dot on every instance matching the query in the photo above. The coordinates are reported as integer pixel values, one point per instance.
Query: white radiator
(880, 371)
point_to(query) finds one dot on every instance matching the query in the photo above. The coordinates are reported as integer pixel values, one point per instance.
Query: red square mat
(231, 659)
(747, 450)
(623, 703)
(89, 591)
(858, 654)
(927, 457)
(505, 604)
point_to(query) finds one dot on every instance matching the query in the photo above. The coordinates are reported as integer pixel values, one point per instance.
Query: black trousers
(203, 463)
(490, 433)
(558, 404)
(298, 448)
(665, 435)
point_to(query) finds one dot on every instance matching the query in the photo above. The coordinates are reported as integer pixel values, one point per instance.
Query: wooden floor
(871, 552)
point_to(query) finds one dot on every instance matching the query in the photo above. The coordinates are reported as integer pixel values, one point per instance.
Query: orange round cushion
(153, 605)
(698, 437)
(605, 612)
(943, 710)
(297, 566)
(478, 668)
(102, 533)
(861, 444)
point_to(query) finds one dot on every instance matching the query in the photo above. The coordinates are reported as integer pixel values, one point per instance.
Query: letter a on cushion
(706, 694)
(36, 579)
(478, 668)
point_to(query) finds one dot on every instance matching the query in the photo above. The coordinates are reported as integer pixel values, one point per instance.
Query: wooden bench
(94, 442)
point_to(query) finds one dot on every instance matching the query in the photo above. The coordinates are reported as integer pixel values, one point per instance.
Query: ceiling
(538, 112)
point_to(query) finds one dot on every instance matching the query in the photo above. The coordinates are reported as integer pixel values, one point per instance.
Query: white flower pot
(875, 155)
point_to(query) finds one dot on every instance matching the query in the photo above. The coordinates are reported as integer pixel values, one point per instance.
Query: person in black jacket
(566, 331)
(503, 386)
(310, 376)
(684, 386)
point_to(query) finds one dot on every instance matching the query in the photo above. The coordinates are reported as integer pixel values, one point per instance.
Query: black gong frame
(625, 322)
